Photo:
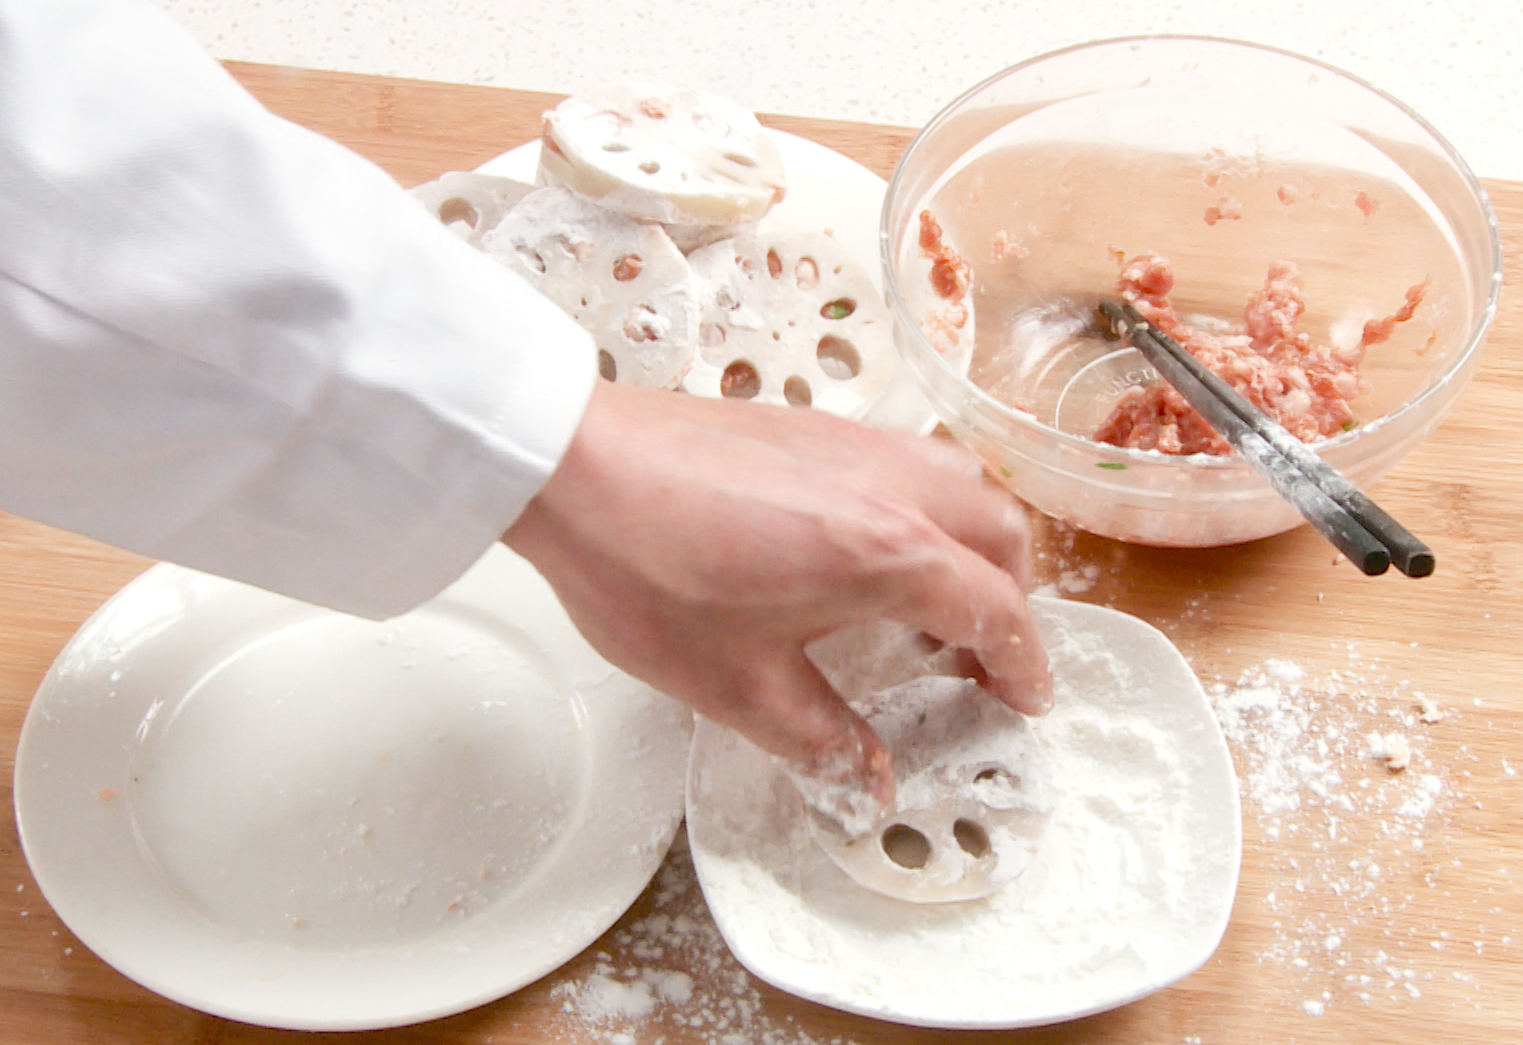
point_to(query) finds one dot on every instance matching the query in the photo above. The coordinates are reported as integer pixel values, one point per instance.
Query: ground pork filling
(1303, 384)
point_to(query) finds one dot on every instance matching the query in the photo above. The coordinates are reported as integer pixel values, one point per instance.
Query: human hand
(701, 544)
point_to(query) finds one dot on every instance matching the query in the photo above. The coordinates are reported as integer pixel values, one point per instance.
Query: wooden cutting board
(1319, 902)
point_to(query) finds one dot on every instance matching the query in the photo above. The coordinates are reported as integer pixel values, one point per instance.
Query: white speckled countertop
(879, 61)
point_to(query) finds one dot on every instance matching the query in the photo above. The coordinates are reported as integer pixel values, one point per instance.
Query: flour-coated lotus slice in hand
(469, 204)
(974, 795)
(790, 319)
(621, 279)
(662, 153)
(864, 659)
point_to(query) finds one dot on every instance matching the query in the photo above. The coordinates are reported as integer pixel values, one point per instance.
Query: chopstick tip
(1418, 564)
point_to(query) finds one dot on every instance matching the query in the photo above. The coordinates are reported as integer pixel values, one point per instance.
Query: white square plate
(1130, 891)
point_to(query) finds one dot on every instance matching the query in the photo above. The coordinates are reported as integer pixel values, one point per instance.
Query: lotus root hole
(711, 335)
(740, 381)
(971, 837)
(774, 264)
(627, 267)
(906, 847)
(838, 358)
(532, 259)
(615, 147)
(797, 391)
(655, 109)
(840, 308)
(650, 166)
(744, 161)
(640, 324)
(807, 273)
(608, 370)
(456, 209)
(710, 124)
(997, 788)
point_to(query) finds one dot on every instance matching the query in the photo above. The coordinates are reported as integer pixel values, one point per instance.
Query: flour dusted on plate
(1130, 886)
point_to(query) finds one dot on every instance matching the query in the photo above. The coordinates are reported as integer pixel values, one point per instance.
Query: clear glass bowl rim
(1011, 416)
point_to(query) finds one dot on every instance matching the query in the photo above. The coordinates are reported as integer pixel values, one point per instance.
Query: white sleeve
(231, 343)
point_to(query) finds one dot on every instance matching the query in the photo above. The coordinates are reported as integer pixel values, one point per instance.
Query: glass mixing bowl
(1225, 158)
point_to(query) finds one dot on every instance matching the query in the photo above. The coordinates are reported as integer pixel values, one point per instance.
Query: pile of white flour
(1129, 889)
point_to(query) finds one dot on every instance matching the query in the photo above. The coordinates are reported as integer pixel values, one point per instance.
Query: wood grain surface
(1449, 911)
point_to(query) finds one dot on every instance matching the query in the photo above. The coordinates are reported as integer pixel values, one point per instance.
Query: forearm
(231, 343)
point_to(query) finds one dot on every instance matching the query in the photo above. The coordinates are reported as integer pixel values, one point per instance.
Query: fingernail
(1042, 694)
(880, 772)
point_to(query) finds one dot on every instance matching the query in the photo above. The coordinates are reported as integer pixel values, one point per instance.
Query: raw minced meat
(1301, 383)
(951, 279)
(950, 275)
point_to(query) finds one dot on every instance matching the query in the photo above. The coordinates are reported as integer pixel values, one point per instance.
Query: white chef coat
(228, 342)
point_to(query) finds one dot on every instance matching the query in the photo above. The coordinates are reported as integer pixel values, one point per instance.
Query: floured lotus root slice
(691, 237)
(790, 319)
(664, 154)
(687, 237)
(974, 796)
(470, 205)
(864, 659)
(623, 280)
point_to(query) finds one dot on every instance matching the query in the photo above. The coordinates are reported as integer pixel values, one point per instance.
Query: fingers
(943, 479)
(962, 599)
(976, 513)
(828, 751)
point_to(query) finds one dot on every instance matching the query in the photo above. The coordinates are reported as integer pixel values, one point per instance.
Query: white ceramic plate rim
(826, 192)
(761, 956)
(623, 828)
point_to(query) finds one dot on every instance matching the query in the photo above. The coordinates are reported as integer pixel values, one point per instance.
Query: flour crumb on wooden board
(1341, 764)
(1383, 843)
(669, 976)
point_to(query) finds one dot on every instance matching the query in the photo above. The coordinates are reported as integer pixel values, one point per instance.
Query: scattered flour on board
(643, 987)
(1340, 762)
(1344, 762)
(1346, 921)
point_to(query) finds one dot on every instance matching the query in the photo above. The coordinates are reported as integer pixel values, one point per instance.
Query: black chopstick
(1354, 524)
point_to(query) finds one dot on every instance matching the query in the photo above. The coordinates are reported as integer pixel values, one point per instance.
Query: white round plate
(826, 192)
(1141, 777)
(301, 819)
